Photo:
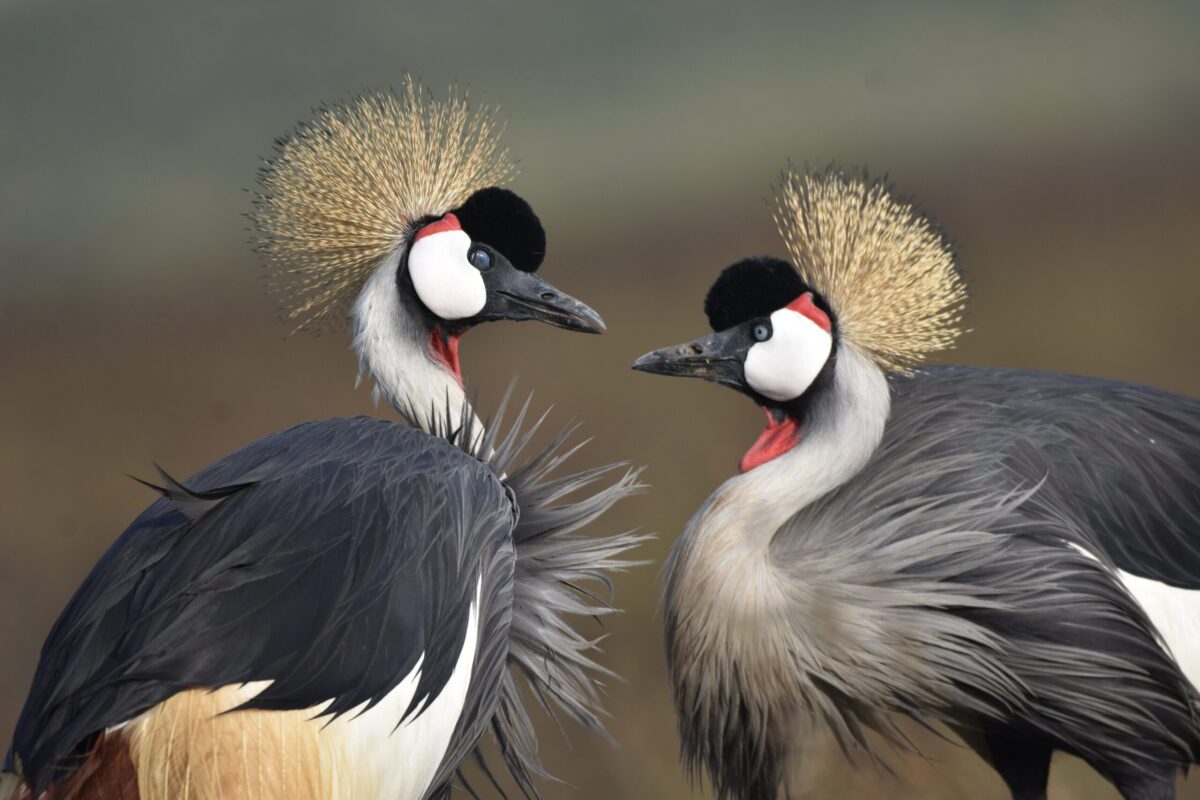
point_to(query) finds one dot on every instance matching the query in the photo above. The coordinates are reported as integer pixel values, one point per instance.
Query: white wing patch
(1175, 613)
(402, 761)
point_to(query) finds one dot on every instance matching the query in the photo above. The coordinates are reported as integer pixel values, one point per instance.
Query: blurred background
(1057, 144)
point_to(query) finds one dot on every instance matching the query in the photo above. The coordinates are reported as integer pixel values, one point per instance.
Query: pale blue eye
(761, 332)
(480, 258)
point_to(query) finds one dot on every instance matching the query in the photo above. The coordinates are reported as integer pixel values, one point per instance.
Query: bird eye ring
(480, 258)
(761, 331)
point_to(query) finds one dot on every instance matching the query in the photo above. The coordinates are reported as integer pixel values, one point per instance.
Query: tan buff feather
(188, 747)
(346, 189)
(887, 272)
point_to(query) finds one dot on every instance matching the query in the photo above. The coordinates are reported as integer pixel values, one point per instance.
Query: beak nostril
(696, 350)
(549, 296)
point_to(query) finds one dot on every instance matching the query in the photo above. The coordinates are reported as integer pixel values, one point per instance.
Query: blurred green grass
(1056, 146)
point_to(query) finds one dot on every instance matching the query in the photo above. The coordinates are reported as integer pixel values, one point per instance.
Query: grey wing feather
(1121, 459)
(954, 545)
(555, 564)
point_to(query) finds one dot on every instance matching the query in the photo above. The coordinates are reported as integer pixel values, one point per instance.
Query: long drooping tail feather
(555, 567)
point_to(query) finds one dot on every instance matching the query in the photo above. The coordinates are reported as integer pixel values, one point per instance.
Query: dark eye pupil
(761, 332)
(480, 258)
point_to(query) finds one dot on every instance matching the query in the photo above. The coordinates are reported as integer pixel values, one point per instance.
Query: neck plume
(414, 368)
(790, 467)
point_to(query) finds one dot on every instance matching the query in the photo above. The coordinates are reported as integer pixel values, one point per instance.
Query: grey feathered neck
(554, 563)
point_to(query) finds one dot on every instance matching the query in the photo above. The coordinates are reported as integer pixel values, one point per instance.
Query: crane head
(393, 187)
(773, 337)
(385, 212)
(867, 274)
(478, 263)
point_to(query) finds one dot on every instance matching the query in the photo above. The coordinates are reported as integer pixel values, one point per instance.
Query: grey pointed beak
(525, 296)
(717, 357)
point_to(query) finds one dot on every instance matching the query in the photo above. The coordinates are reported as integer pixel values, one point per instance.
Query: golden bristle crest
(886, 271)
(345, 189)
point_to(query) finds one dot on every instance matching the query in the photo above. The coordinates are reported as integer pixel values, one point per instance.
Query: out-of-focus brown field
(1058, 148)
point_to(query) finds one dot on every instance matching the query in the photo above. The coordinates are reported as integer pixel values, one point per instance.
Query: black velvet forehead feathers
(753, 287)
(501, 219)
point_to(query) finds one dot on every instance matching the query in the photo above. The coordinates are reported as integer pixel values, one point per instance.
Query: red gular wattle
(445, 350)
(779, 437)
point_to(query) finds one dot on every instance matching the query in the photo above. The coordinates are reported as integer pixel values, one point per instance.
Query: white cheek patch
(445, 281)
(784, 366)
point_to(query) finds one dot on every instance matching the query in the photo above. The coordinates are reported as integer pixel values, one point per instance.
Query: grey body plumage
(1010, 555)
(945, 581)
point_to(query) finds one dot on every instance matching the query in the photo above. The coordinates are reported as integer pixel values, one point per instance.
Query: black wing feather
(326, 558)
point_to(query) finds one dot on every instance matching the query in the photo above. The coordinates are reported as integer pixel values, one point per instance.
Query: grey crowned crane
(343, 609)
(1014, 555)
